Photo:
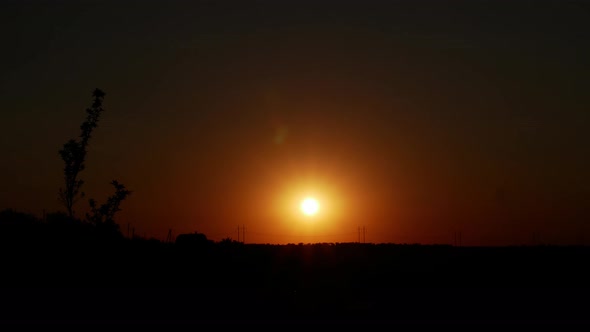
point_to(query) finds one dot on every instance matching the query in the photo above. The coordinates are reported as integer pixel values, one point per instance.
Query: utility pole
(359, 234)
(243, 234)
(238, 233)
(457, 238)
(364, 231)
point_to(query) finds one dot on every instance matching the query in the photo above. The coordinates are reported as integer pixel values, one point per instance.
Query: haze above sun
(310, 206)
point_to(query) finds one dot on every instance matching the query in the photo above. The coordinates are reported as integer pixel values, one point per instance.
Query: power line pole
(243, 234)
(359, 234)
(364, 231)
(238, 233)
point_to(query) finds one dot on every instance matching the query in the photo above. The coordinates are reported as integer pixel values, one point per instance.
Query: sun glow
(310, 206)
(308, 210)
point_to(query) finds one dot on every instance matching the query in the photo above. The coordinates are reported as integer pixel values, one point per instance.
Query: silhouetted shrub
(193, 240)
(73, 154)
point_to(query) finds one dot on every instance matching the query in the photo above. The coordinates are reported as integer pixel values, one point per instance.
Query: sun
(310, 206)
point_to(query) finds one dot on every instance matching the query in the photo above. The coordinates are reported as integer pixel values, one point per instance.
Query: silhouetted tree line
(57, 230)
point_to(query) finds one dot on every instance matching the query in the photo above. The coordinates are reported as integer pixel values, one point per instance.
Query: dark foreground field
(127, 281)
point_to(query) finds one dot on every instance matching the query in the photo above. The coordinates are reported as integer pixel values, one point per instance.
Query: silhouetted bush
(193, 240)
(74, 152)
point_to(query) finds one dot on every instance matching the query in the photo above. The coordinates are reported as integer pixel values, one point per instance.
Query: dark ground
(140, 281)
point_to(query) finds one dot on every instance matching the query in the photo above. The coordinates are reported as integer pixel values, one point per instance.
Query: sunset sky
(415, 119)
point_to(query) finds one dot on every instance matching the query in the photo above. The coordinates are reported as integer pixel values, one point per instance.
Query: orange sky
(414, 121)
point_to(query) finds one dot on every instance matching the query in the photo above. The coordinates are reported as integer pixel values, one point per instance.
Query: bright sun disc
(310, 206)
